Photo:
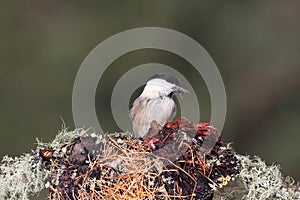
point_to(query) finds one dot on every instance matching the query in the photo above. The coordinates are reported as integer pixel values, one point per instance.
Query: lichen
(25, 176)
(265, 182)
(258, 181)
(21, 177)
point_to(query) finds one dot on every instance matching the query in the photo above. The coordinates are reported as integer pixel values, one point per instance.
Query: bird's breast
(162, 110)
(145, 110)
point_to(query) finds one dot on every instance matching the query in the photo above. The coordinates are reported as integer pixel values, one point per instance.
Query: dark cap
(167, 77)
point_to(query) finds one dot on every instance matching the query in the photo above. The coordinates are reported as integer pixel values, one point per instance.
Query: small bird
(155, 103)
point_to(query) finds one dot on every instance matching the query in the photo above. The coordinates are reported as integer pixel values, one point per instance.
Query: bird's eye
(171, 94)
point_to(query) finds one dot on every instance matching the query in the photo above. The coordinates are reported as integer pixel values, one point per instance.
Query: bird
(155, 103)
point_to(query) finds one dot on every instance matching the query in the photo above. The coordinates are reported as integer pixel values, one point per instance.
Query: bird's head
(162, 85)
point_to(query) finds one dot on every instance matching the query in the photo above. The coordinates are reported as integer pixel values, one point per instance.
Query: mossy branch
(27, 175)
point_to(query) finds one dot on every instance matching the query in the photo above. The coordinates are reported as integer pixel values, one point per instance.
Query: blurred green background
(255, 44)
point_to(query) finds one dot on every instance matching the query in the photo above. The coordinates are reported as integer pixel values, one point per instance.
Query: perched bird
(155, 103)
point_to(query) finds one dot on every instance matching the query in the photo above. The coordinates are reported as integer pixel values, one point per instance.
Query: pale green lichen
(262, 181)
(21, 177)
(257, 181)
(62, 138)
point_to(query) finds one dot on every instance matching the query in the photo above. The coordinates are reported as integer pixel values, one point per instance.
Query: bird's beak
(180, 90)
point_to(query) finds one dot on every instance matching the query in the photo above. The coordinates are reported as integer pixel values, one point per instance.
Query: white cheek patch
(156, 87)
(160, 83)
